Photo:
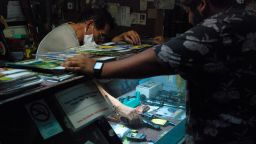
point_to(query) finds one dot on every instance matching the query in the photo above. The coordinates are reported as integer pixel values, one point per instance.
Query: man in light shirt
(95, 25)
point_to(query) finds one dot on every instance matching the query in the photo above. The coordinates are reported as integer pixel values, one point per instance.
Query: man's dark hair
(217, 3)
(100, 16)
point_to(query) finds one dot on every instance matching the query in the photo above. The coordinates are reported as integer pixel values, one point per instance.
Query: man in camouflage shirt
(217, 57)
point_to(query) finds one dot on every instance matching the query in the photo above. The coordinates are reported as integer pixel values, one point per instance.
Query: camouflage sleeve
(188, 50)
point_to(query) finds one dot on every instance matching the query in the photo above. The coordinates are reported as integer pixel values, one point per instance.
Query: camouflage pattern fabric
(217, 57)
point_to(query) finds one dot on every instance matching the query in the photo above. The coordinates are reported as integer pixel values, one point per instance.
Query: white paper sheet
(152, 13)
(164, 4)
(83, 103)
(143, 5)
(14, 12)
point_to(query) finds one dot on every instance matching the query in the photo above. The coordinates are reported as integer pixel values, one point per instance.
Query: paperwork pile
(16, 80)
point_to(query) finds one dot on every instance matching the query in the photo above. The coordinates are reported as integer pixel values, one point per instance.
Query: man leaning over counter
(217, 58)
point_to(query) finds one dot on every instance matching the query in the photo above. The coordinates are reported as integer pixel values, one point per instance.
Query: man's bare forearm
(141, 65)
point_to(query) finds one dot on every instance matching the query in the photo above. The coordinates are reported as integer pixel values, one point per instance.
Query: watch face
(98, 65)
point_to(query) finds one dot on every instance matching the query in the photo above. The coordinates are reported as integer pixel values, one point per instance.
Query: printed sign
(83, 103)
(43, 118)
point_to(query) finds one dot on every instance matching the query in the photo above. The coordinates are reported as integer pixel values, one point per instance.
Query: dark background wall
(44, 14)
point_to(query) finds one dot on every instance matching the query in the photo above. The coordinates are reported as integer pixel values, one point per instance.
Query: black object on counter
(136, 136)
(150, 124)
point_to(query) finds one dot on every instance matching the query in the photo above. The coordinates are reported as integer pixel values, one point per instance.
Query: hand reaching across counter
(130, 36)
(80, 63)
(159, 39)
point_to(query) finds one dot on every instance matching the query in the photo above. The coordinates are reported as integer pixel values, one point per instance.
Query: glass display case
(163, 119)
(57, 113)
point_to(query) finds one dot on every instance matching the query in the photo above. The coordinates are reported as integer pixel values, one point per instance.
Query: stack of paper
(56, 77)
(39, 65)
(15, 80)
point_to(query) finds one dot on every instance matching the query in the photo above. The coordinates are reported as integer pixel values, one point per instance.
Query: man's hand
(158, 39)
(130, 36)
(80, 63)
